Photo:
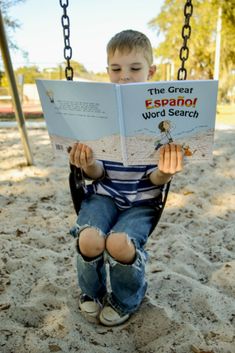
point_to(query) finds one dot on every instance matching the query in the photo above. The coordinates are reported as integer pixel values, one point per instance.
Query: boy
(115, 219)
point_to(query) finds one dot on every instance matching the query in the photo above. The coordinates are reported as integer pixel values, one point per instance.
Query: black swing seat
(78, 194)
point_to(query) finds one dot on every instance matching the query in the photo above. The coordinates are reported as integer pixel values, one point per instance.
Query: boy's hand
(171, 159)
(170, 162)
(81, 156)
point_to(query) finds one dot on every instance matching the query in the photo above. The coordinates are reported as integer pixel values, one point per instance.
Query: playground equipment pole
(14, 92)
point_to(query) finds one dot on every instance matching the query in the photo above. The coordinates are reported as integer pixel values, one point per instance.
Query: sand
(189, 306)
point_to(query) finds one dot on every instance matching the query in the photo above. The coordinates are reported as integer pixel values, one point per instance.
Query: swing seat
(78, 194)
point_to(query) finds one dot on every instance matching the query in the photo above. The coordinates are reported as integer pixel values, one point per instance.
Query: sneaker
(110, 317)
(89, 306)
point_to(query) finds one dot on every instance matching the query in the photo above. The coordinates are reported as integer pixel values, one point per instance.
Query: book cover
(161, 112)
(128, 123)
(81, 111)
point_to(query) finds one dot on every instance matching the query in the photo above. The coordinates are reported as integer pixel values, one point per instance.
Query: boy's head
(129, 40)
(130, 57)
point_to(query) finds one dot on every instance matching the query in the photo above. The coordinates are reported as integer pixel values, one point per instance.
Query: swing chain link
(186, 33)
(66, 32)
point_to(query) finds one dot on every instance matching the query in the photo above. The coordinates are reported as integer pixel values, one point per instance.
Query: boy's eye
(136, 68)
(115, 70)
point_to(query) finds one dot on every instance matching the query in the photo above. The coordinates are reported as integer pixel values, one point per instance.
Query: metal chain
(66, 32)
(186, 33)
(77, 172)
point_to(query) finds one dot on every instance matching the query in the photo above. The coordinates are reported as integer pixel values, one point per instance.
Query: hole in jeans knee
(121, 247)
(91, 242)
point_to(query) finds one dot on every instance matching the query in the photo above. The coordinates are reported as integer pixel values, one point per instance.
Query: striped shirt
(128, 186)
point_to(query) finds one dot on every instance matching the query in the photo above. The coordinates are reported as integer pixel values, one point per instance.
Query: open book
(128, 123)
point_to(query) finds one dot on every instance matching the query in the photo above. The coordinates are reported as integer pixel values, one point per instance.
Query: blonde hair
(129, 40)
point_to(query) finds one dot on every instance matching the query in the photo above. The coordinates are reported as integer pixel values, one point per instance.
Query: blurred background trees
(202, 43)
(10, 23)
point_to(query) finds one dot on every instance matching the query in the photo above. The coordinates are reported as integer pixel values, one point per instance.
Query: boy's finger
(161, 158)
(89, 155)
(167, 158)
(83, 158)
(173, 158)
(77, 155)
(180, 158)
(163, 164)
(72, 153)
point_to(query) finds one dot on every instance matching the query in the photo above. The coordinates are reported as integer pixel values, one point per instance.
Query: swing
(76, 179)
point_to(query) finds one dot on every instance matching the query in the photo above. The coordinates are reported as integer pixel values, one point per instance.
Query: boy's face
(129, 67)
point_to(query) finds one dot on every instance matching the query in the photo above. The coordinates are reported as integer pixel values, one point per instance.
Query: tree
(10, 23)
(200, 64)
(58, 72)
(79, 69)
(29, 73)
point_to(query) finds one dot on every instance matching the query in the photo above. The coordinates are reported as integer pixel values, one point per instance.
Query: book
(129, 123)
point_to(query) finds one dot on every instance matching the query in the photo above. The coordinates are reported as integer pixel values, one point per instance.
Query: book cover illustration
(179, 111)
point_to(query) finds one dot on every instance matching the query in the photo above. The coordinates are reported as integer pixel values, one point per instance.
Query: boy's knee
(91, 243)
(120, 247)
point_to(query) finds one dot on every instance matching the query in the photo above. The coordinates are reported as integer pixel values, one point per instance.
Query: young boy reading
(117, 214)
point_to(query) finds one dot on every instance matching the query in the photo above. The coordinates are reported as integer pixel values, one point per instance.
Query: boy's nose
(124, 78)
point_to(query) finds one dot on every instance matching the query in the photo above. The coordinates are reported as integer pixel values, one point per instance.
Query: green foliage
(11, 24)
(200, 64)
(100, 77)
(78, 68)
(29, 73)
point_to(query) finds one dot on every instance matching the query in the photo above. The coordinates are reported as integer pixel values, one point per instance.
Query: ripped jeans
(127, 281)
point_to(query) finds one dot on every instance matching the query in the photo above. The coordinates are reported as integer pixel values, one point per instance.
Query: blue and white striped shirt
(129, 186)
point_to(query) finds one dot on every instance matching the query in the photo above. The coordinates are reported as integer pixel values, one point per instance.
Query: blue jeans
(128, 283)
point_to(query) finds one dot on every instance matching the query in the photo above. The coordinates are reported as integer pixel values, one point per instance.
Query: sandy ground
(190, 304)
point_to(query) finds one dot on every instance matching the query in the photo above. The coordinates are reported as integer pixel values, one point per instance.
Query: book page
(156, 113)
(81, 111)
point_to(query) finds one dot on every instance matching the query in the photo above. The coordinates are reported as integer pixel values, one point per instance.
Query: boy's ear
(152, 71)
